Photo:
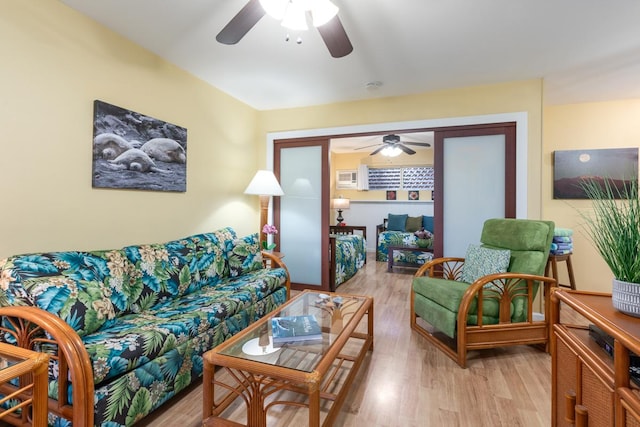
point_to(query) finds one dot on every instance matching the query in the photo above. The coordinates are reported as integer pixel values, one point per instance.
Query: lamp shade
(340, 203)
(264, 183)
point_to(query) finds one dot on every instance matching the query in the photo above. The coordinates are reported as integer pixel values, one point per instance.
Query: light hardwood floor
(407, 382)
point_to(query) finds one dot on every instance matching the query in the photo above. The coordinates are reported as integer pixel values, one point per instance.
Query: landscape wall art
(134, 151)
(573, 167)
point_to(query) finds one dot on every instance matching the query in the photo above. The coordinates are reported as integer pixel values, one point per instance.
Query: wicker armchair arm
(447, 268)
(505, 287)
(37, 329)
(276, 262)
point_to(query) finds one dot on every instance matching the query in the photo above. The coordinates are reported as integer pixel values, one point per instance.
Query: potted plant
(424, 238)
(614, 228)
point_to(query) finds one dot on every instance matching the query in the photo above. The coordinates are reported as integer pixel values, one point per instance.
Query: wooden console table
(589, 386)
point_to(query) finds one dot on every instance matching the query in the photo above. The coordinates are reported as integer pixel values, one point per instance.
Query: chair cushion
(447, 293)
(397, 222)
(438, 300)
(480, 261)
(517, 234)
(414, 223)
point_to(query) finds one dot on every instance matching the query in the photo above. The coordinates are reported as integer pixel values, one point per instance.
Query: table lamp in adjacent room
(340, 204)
(265, 185)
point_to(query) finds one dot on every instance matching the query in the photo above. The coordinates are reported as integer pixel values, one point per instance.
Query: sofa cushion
(427, 223)
(179, 267)
(244, 255)
(123, 400)
(413, 224)
(85, 289)
(397, 222)
(480, 261)
(133, 339)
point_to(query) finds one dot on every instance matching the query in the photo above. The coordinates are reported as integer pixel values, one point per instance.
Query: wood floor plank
(408, 382)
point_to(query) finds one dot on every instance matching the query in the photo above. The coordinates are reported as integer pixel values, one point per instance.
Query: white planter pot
(626, 297)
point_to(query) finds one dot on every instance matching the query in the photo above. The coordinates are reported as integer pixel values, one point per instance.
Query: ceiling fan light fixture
(275, 8)
(391, 151)
(322, 11)
(295, 17)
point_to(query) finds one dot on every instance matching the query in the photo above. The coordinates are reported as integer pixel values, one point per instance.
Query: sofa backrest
(175, 268)
(89, 289)
(85, 289)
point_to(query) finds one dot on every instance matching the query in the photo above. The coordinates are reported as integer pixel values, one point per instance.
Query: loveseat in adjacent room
(399, 230)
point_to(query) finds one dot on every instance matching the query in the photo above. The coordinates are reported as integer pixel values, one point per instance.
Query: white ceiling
(367, 144)
(586, 50)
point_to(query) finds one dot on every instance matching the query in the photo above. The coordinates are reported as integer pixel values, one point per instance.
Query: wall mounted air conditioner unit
(347, 179)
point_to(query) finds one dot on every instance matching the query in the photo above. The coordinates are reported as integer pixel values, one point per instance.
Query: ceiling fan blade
(421, 144)
(366, 146)
(377, 150)
(405, 149)
(335, 37)
(240, 24)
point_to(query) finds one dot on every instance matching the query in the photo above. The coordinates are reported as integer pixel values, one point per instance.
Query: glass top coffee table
(267, 376)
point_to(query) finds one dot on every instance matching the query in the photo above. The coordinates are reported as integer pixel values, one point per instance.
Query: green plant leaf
(613, 225)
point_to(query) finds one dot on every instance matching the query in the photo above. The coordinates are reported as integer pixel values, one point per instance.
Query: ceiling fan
(332, 32)
(392, 146)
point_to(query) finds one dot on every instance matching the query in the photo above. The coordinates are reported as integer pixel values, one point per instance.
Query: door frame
(509, 131)
(323, 143)
(522, 140)
(521, 134)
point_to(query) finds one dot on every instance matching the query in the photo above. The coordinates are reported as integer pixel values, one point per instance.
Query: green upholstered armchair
(491, 310)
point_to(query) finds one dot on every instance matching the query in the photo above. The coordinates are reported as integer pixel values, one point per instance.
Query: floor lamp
(265, 185)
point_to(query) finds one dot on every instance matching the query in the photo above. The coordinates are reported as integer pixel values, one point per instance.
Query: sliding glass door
(475, 180)
(301, 213)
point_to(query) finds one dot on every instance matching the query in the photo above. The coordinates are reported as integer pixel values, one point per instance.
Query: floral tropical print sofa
(348, 253)
(136, 320)
(398, 230)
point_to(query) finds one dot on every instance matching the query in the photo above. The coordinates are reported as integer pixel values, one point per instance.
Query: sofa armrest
(276, 262)
(36, 329)
(379, 229)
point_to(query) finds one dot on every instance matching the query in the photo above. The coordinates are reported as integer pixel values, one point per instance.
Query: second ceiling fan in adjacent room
(392, 146)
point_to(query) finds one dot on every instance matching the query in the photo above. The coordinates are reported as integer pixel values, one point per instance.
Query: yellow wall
(55, 62)
(524, 96)
(612, 124)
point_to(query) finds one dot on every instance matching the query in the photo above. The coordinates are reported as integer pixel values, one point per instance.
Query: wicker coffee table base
(263, 386)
